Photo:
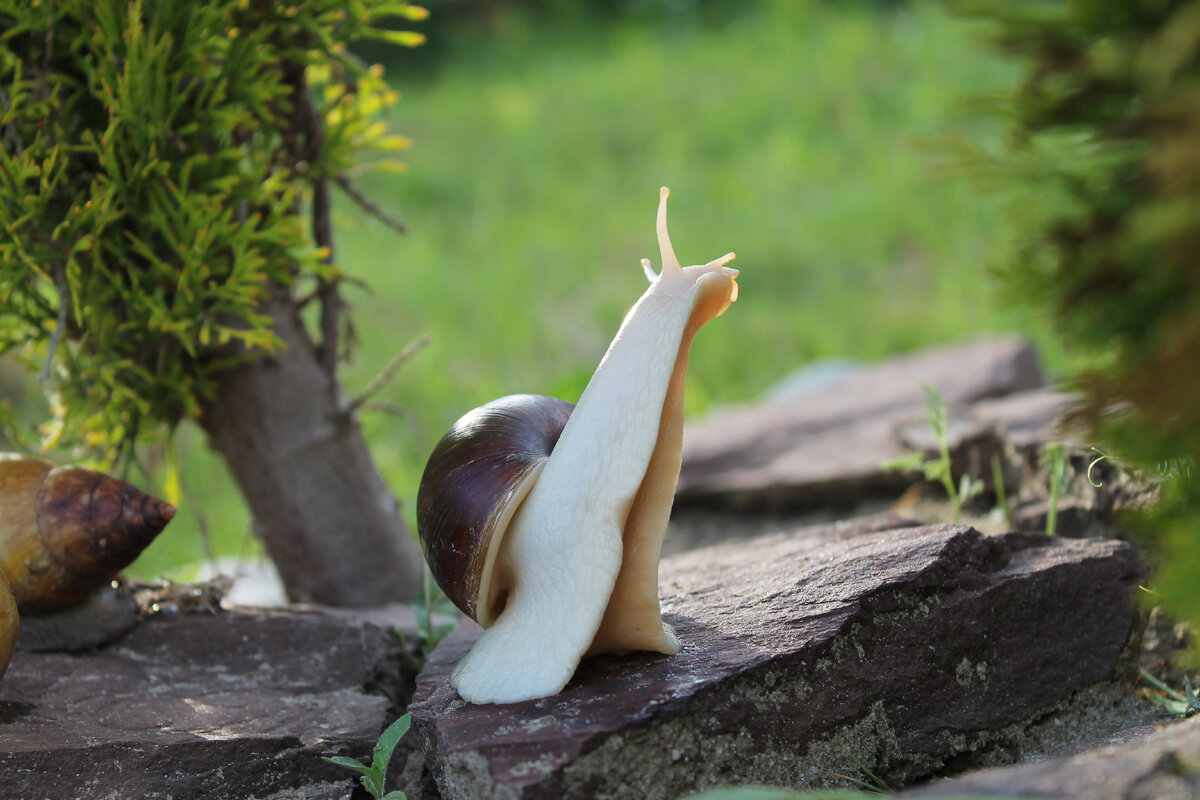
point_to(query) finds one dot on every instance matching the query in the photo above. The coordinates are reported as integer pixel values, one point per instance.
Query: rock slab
(237, 705)
(824, 445)
(913, 651)
(1161, 764)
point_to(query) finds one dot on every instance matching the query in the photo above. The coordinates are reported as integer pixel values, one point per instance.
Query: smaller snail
(544, 522)
(65, 532)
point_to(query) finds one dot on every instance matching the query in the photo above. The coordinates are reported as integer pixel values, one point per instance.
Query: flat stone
(239, 704)
(1026, 419)
(1148, 763)
(694, 528)
(825, 444)
(914, 651)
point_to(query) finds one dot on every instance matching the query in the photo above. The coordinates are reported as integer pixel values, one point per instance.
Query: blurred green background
(808, 137)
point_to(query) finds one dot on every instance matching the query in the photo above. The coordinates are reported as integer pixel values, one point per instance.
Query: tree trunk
(328, 521)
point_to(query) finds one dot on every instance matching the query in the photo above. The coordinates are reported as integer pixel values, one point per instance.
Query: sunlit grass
(798, 138)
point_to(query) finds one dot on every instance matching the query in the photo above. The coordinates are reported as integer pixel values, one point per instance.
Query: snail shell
(475, 480)
(66, 531)
(10, 624)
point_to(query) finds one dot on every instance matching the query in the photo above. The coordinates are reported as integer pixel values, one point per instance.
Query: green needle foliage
(156, 160)
(1106, 145)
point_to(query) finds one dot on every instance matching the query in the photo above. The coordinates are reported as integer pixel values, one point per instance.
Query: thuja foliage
(1107, 135)
(158, 162)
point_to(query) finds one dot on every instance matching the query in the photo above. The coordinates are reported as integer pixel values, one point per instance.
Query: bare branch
(327, 292)
(369, 205)
(302, 300)
(388, 372)
(386, 407)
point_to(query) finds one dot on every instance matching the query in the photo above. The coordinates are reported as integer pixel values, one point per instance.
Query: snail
(544, 522)
(10, 624)
(65, 532)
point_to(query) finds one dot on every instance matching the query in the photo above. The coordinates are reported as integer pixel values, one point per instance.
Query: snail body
(554, 546)
(104, 615)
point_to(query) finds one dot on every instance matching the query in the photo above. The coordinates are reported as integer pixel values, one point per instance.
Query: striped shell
(475, 479)
(66, 531)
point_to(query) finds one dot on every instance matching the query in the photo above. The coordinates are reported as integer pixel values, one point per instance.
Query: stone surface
(1144, 764)
(913, 651)
(238, 705)
(824, 445)
(1025, 419)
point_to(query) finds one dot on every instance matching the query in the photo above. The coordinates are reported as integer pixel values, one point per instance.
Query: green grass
(798, 136)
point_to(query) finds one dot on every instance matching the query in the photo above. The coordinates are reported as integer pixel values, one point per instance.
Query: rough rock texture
(231, 705)
(1146, 764)
(1024, 418)
(915, 651)
(825, 444)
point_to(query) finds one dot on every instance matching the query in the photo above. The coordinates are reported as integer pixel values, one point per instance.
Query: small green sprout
(938, 469)
(436, 616)
(1175, 703)
(372, 777)
(871, 782)
(433, 602)
(1002, 492)
(1054, 461)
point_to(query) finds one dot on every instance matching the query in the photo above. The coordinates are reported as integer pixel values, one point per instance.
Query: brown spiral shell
(66, 531)
(9, 624)
(473, 483)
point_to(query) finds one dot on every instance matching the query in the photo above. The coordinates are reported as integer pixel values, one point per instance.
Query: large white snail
(545, 524)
